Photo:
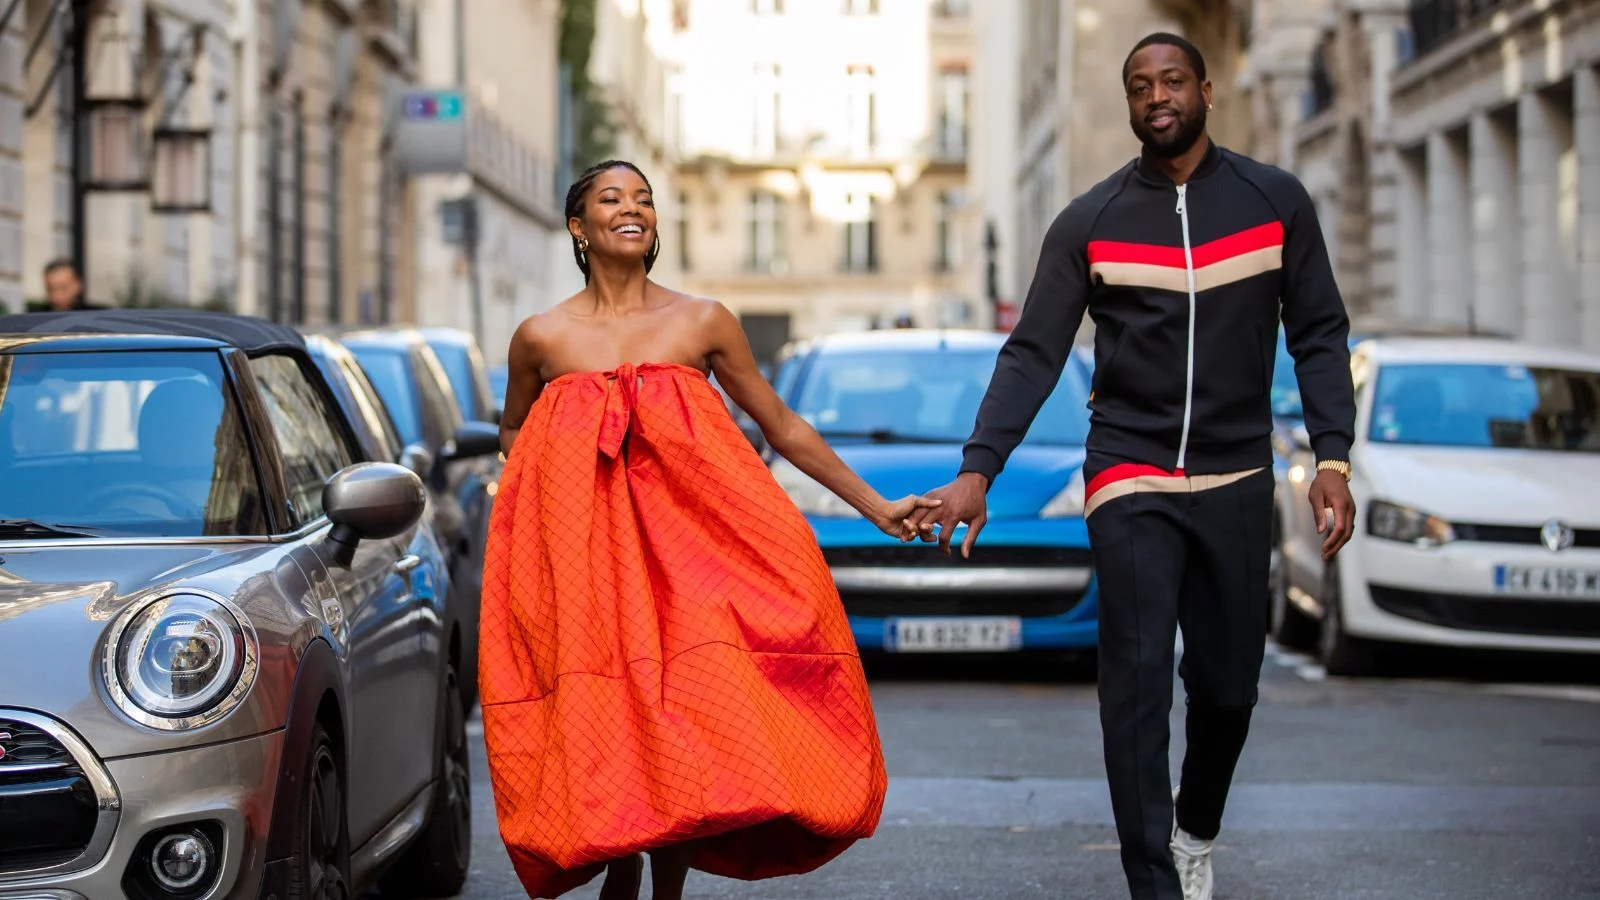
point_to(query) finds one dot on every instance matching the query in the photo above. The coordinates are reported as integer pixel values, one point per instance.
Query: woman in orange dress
(665, 664)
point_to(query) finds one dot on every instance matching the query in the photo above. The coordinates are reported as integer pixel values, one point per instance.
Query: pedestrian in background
(63, 289)
(666, 666)
(1186, 259)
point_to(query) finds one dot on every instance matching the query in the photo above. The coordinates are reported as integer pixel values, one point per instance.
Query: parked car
(223, 626)
(499, 377)
(1477, 483)
(462, 460)
(458, 352)
(1287, 416)
(897, 406)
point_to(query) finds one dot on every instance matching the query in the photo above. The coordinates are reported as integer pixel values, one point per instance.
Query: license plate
(919, 635)
(1547, 581)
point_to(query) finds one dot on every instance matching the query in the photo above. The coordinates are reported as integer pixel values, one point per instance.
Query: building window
(861, 126)
(764, 136)
(766, 233)
(948, 253)
(951, 140)
(860, 7)
(861, 234)
(683, 231)
(953, 9)
(767, 7)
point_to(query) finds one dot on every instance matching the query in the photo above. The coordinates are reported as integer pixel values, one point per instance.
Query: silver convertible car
(226, 649)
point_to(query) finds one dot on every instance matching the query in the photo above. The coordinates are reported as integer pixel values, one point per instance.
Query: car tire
(1341, 654)
(436, 863)
(319, 866)
(1288, 625)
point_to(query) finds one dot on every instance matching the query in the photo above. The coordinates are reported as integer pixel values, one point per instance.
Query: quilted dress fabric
(663, 654)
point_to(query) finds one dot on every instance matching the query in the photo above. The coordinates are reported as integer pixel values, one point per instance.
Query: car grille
(48, 807)
(924, 555)
(1519, 534)
(1546, 618)
(1030, 605)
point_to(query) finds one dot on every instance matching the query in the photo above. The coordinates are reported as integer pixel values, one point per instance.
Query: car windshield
(123, 443)
(458, 368)
(1483, 405)
(391, 377)
(925, 396)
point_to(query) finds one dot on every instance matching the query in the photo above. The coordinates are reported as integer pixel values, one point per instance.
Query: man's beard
(1182, 137)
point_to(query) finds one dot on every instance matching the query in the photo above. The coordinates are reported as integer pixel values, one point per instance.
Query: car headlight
(809, 495)
(1399, 523)
(180, 661)
(1068, 502)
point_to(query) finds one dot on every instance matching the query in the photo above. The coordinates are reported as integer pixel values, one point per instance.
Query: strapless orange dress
(663, 654)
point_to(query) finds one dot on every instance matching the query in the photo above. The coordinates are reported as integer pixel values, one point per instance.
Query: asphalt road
(1454, 778)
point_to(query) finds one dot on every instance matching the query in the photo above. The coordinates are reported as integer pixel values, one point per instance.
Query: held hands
(894, 517)
(962, 500)
(1330, 494)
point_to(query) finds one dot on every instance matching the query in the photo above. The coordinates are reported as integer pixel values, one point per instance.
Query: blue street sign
(439, 106)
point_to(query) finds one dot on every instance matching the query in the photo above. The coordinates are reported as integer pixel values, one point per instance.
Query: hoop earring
(583, 250)
(656, 249)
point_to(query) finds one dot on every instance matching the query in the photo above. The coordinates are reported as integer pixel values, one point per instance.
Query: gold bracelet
(1335, 465)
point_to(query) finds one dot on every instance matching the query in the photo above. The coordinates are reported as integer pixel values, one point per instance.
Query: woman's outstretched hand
(895, 517)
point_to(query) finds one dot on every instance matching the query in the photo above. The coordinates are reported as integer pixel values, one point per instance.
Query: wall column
(1586, 137)
(1496, 247)
(1449, 286)
(1544, 133)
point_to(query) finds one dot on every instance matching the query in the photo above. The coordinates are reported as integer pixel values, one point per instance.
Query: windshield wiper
(31, 528)
(889, 436)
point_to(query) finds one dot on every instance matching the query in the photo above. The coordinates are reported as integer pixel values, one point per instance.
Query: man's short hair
(57, 264)
(1196, 61)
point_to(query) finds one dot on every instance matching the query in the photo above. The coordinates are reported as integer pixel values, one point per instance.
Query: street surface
(1443, 782)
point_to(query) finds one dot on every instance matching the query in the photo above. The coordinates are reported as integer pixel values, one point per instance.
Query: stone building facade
(1454, 146)
(823, 182)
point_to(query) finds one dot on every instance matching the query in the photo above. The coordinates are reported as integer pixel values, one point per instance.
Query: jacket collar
(1152, 173)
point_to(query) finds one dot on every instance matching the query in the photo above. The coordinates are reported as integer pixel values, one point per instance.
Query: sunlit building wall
(823, 177)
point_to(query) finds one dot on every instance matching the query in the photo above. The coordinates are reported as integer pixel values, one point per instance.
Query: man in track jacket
(1186, 259)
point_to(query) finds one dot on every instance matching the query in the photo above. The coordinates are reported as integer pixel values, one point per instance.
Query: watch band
(1335, 465)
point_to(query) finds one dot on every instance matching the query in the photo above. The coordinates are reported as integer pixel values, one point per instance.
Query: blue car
(897, 406)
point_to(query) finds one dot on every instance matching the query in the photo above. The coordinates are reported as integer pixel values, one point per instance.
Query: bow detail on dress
(621, 410)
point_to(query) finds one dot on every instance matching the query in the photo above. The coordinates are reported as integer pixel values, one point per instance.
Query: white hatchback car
(1477, 484)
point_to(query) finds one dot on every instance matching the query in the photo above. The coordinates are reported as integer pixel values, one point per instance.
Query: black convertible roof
(247, 333)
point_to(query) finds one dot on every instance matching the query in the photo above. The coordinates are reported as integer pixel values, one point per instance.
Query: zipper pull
(1181, 189)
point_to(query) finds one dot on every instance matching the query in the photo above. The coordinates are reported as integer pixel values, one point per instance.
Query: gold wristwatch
(1335, 465)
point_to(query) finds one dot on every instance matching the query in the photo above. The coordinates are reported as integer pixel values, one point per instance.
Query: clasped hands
(935, 515)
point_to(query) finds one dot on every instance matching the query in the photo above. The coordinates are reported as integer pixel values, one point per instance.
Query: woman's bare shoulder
(702, 310)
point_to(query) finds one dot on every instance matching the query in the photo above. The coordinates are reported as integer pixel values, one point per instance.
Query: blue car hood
(1033, 475)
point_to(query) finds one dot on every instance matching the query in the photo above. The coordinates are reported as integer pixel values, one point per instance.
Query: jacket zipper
(1188, 265)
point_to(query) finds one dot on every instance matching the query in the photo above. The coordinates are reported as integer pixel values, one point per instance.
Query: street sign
(440, 106)
(431, 131)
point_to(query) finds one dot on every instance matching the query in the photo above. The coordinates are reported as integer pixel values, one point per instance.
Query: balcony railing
(1433, 22)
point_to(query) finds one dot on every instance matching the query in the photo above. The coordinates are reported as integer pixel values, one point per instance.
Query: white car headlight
(183, 660)
(1399, 523)
(1068, 502)
(809, 495)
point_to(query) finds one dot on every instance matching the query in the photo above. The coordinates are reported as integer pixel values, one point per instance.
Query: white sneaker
(1192, 856)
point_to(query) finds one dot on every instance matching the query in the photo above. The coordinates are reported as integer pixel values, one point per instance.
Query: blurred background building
(820, 165)
(822, 183)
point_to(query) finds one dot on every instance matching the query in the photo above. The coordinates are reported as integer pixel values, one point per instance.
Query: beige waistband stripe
(1164, 484)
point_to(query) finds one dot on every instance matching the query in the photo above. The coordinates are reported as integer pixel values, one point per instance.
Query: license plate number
(918, 635)
(1546, 581)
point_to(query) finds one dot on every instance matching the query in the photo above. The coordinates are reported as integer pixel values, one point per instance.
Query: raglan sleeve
(1316, 329)
(1033, 356)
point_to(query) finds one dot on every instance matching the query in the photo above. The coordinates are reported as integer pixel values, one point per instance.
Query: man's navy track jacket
(1184, 284)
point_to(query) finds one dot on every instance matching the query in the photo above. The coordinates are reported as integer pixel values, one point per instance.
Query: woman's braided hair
(580, 189)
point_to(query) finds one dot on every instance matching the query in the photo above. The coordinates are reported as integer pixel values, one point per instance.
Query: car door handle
(406, 563)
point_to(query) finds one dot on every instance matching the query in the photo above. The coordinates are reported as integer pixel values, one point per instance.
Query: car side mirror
(473, 439)
(1302, 438)
(370, 501)
(417, 458)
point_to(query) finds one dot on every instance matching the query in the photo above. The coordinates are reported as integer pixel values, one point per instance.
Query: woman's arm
(790, 436)
(523, 383)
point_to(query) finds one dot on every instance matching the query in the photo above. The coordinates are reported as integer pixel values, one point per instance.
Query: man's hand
(1330, 493)
(962, 500)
